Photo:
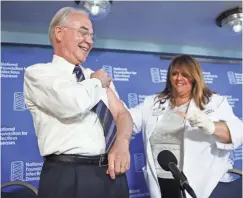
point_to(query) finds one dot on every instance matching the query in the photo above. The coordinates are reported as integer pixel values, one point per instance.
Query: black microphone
(168, 162)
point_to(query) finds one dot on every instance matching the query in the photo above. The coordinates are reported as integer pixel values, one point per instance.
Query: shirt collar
(63, 64)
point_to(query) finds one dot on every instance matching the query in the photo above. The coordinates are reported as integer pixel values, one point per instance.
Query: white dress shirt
(61, 106)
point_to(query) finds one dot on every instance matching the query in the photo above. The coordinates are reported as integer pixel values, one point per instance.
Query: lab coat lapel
(156, 118)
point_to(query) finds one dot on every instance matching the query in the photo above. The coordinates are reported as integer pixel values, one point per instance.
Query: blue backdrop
(135, 75)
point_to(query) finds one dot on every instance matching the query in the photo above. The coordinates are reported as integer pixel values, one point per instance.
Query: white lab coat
(205, 158)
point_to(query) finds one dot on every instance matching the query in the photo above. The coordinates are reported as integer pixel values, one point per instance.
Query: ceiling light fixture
(232, 17)
(97, 9)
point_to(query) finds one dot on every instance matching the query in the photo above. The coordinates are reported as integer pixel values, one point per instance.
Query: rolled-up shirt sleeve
(234, 124)
(59, 95)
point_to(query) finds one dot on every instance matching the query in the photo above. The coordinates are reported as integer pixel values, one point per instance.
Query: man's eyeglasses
(82, 32)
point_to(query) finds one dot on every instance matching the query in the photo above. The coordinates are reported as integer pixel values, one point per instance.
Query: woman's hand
(199, 119)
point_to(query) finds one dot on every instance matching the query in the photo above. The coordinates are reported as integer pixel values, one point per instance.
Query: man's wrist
(124, 140)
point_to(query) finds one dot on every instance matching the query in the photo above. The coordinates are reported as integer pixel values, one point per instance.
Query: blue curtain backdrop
(135, 76)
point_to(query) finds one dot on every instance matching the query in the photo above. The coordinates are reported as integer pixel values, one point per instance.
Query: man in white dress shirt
(66, 101)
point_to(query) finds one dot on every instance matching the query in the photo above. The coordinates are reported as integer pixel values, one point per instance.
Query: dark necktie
(79, 73)
(103, 113)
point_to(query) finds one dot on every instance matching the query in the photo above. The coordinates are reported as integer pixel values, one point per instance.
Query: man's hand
(118, 158)
(103, 77)
(199, 119)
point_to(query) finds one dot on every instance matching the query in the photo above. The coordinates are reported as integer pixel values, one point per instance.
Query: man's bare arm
(119, 156)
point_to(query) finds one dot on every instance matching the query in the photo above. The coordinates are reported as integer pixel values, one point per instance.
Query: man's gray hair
(60, 18)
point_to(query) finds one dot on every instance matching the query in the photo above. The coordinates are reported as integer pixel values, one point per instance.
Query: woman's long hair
(200, 93)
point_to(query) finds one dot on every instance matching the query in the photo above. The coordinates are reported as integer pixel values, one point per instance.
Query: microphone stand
(183, 194)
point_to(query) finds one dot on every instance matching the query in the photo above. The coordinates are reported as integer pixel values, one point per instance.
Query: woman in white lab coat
(195, 124)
